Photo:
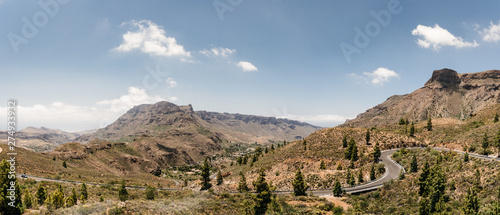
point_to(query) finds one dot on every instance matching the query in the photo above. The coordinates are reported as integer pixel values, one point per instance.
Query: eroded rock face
(447, 94)
(443, 78)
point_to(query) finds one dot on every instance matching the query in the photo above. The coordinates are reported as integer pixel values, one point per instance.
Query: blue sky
(77, 65)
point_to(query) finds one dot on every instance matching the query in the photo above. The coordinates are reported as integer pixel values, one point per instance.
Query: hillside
(447, 94)
(177, 135)
(41, 139)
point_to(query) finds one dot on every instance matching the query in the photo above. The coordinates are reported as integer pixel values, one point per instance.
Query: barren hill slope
(177, 135)
(40, 139)
(447, 94)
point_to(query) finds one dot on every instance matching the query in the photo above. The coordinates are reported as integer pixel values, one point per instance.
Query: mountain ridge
(447, 94)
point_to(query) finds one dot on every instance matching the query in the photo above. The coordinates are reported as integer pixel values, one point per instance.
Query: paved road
(392, 171)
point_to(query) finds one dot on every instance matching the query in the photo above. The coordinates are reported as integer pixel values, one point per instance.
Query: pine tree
(272, 147)
(435, 188)
(205, 176)
(299, 185)
(74, 196)
(242, 186)
(402, 121)
(57, 199)
(422, 180)
(64, 164)
(412, 130)
(423, 206)
(245, 159)
(40, 194)
(69, 201)
(344, 142)
(413, 165)
(466, 157)
(360, 176)
(17, 207)
(485, 144)
(471, 203)
(239, 160)
(255, 158)
(337, 189)
(376, 153)
(348, 177)
(83, 192)
(354, 153)
(305, 145)
(28, 198)
(351, 180)
(263, 196)
(429, 124)
(101, 199)
(401, 175)
(477, 182)
(122, 192)
(339, 166)
(258, 151)
(322, 165)
(48, 202)
(150, 193)
(372, 173)
(60, 188)
(495, 119)
(219, 178)
(367, 136)
(266, 150)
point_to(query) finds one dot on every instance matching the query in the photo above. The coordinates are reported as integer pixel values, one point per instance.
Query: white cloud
(491, 34)
(381, 75)
(437, 37)
(246, 66)
(219, 51)
(134, 97)
(151, 39)
(171, 82)
(76, 118)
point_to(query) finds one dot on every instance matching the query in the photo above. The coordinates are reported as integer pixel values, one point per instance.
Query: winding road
(393, 169)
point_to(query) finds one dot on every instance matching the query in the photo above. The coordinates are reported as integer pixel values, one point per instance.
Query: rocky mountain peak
(447, 94)
(443, 78)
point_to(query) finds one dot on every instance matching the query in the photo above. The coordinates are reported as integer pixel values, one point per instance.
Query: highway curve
(392, 170)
